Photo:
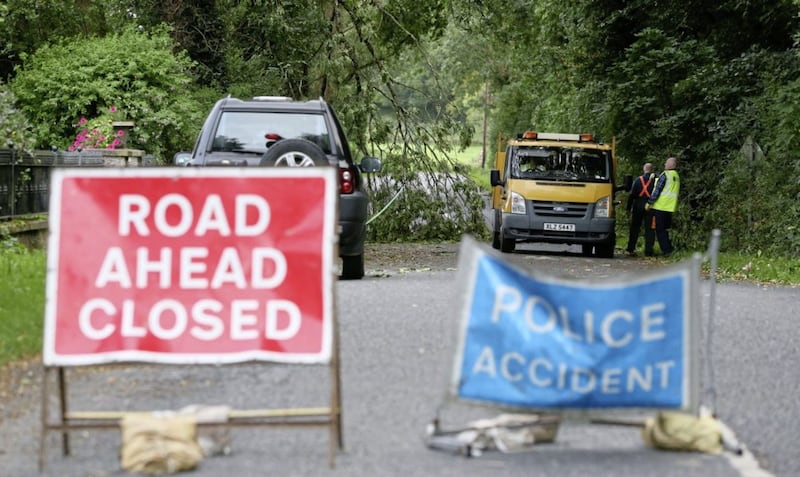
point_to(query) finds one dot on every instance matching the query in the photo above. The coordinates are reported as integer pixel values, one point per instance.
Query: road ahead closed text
(203, 268)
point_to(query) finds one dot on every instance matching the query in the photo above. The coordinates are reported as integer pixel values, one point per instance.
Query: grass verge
(470, 159)
(22, 285)
(761, 269)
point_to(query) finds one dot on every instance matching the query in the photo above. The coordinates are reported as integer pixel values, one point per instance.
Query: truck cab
(555, 188)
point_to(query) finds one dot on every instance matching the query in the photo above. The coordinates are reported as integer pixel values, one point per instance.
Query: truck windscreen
(559, 163)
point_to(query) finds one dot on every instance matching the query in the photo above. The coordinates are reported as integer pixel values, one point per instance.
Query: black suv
(276, 131)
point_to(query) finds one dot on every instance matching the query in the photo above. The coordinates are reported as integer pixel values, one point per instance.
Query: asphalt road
(397, 345)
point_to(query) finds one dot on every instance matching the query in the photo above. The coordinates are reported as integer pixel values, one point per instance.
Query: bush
(136, 72)
(14, 127)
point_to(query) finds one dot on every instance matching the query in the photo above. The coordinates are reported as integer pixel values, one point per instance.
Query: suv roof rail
(271, 98)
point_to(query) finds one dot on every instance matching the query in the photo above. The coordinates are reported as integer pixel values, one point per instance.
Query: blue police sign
(536, 341)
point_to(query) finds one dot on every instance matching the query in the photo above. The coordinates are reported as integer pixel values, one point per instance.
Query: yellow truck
(555, 188)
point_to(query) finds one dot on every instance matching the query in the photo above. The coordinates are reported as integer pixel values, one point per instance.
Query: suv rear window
(243, 131)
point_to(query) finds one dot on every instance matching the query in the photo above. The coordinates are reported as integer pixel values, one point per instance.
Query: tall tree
(196, 27)
(26, 25)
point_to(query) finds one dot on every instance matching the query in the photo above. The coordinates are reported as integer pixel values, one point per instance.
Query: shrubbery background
(414, 82)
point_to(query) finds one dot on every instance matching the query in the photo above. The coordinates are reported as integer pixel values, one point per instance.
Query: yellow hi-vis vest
(668, 199)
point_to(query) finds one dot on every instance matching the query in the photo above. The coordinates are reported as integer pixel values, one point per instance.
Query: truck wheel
(507, 245)
(294, 153)
(353, 267)
(496, 232)
(606, 250)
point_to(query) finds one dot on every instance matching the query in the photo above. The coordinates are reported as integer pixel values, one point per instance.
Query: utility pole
(485, 120)
(12, 196)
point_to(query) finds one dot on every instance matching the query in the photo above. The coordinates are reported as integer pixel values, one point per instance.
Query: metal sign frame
(474, 255)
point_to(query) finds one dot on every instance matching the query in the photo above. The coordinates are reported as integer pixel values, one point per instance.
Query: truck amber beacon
(555, 188)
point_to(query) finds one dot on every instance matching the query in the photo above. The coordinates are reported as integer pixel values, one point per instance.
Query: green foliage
(402, 23)
(135, 71)
(665, 83)
(8, 242)
(438, 201)
(762, 178)
(347, 52)
(468, 161)
(14, 127)
(426, 207)
(757, 267)
(197, 27)
(274, 53)
(647, 86)
(26, 25)
(21, 303)
(412, 82)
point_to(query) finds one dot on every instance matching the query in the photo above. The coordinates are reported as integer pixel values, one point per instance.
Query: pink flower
(98, 133)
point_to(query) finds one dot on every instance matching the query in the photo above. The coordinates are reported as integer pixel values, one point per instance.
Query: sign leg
(62, 402)
(336, 438)
(337, 396)
(45, 419)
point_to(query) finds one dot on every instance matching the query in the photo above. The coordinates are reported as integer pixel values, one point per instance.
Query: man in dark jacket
(637, 200)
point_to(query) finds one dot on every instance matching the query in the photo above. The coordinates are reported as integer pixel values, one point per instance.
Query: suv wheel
(294, 153)
(353, 267)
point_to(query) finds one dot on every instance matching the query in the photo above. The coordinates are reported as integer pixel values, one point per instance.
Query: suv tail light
(346, 178)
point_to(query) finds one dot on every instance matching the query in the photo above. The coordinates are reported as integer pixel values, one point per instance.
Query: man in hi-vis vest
(637, 201)
(663, 202)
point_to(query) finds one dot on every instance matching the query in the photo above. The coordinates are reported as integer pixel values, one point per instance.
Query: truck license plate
(559, 227)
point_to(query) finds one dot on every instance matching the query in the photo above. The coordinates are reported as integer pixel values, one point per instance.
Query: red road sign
(183, 265)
